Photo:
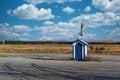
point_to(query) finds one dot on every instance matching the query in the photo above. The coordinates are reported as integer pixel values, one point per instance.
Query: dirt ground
(56, 67)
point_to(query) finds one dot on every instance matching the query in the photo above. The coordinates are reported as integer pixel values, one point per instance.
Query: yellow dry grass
(104, 49)
(58, 48)
(34, 48)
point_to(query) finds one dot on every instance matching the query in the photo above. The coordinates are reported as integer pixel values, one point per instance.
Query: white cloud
(30, 12)
(68, 31)
(107, 5)
(21, 28)
(8, 32)
(67, 25)
(106, 30)
(62, 31)
(115, 34)
(46, 38)
(8, 35)
(97, 19)
(87, 9)
(48, 23)
(90, 36)
(68, 10)
(9, 12)
(24, 39)
(25, 34)
(35, 2)
(4, 26)
(58, 16)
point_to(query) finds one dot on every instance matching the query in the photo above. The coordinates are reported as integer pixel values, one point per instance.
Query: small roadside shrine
(79, 47)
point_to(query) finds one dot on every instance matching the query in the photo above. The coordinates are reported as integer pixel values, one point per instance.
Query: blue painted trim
(73, 52)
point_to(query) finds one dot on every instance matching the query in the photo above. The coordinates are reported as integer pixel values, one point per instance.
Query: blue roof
(81, 42)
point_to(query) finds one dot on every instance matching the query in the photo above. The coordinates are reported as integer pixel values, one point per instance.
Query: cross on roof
(81, 31)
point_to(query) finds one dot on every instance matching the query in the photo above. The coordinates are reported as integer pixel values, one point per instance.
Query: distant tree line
(105, 42)
(52, 42)
(33, 42)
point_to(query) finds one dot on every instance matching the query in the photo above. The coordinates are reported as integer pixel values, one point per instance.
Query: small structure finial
(79, 48)
(81, 31)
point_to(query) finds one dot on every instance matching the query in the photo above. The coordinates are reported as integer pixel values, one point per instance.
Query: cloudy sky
(59, 20)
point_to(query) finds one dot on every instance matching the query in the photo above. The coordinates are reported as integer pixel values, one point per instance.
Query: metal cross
(81, 30)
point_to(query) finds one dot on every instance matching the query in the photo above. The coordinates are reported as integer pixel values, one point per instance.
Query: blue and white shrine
(79, 48)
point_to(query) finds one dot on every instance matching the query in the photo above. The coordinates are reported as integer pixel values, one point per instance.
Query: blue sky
(59, 20)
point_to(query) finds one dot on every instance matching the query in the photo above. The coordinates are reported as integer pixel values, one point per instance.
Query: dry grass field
(104, 49)
(58, 48)
(35, 48)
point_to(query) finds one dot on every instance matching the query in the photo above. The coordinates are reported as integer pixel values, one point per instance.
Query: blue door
(78, 52)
